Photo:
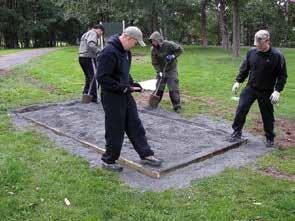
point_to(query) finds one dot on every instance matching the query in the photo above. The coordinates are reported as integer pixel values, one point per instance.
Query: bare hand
(136, 89)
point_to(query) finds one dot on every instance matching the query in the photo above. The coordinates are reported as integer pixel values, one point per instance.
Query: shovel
(87, 98)
(154, 99)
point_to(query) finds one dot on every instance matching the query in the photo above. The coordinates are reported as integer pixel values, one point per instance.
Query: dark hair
(99, 26)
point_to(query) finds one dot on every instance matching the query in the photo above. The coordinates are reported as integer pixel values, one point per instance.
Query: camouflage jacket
(158, 54)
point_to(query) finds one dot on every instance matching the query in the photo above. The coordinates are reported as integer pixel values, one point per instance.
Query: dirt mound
(285, 135)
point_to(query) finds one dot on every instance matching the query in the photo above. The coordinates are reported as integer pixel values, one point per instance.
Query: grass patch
(36, 175)
(282, 160)
(20, 89)
(61, 70)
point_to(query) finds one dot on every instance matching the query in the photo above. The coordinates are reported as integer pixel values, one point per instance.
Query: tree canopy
(44, 23)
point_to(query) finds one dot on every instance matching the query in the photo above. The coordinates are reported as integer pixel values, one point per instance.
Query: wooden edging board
(121, 160)
(136, 166)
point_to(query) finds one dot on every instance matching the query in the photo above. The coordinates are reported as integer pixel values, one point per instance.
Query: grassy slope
(36, 175)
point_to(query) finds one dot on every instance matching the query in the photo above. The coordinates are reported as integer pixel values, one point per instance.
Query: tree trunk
(236, 29)
(10, 39)
(221, 7)
(154, 18)
(204, 38)
(287, 20)
(26, 40)
(182, 36)
(10, 32)
(1, 40)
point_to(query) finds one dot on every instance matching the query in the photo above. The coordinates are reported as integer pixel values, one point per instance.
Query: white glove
(236, 87)
(160, 74)
(274, 97)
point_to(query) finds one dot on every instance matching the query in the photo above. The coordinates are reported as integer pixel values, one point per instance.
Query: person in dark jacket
(267, 72)
(88, 52)
(120, 109)
(164, 56)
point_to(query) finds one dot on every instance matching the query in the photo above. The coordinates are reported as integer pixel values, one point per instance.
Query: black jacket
(266, 70)
(114, 66)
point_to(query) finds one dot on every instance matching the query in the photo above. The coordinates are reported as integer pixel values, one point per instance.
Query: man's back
(88, 44)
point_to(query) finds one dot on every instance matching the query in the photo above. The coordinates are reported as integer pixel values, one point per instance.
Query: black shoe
(152, 161)
(177, 110)
(235, 136)
(269, 143)
(112, 166)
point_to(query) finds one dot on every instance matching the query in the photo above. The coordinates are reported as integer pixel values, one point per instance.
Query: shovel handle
(161, 77)
(94, 76)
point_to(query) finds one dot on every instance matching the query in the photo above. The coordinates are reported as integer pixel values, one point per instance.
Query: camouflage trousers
(171, 79)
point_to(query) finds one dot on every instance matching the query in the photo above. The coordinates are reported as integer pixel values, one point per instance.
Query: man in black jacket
(267, 72)
(120, 109)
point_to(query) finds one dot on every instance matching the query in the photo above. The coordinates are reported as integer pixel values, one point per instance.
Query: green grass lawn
(36, 175)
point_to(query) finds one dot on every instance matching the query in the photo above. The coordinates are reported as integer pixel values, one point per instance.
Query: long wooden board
(121, 160)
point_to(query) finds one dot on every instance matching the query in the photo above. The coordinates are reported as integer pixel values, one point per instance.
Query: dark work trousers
(247, 98)
(171, 79)
(86, 65)
(121, 116)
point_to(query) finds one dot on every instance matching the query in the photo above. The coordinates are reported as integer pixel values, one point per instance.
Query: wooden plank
(199, 158)
(138, 167)
(128, 163)
(124, 161)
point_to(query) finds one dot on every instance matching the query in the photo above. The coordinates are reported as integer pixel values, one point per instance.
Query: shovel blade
(154, 100)
(86, 99)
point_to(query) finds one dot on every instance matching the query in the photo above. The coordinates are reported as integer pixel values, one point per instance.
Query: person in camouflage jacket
(164, 60)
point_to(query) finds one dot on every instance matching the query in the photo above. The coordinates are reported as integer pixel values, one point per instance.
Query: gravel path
(7, 62)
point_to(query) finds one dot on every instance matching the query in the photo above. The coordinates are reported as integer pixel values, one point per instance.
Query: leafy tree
(39, 23)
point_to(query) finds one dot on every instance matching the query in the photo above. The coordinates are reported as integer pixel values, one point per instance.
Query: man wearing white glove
(266, 68)
(274, 97)
(236, 87)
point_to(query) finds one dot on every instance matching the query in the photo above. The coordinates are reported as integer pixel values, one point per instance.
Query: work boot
(152, 161)
(269, 143)
(177, 110)
(115, 167)
(235, 136)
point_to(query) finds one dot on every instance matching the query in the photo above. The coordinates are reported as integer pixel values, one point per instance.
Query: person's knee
(242, 110)
(160, 93)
